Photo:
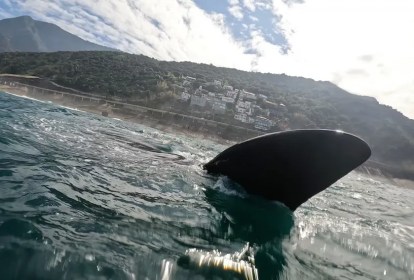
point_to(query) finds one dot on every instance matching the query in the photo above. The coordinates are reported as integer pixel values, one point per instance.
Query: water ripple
(83, 196)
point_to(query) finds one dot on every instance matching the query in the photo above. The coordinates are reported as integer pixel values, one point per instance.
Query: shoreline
(153, 122)
(113, 114)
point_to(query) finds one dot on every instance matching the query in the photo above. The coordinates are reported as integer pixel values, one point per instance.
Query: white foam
(70, 108)
(24, 96)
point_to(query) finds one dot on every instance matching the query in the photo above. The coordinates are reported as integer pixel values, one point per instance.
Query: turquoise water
(88, 197)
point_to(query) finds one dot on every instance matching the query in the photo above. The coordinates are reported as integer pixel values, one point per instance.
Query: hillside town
(220, 98)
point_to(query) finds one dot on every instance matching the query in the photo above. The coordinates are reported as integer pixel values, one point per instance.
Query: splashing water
(83, 196)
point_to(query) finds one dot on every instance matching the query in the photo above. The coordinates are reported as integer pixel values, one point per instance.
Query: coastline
(112, 113)
(154, 122)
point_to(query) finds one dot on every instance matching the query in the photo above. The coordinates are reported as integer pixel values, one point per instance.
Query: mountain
(295, 102)
(24, 34)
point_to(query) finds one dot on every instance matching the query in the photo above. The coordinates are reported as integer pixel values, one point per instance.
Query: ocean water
(88, 197)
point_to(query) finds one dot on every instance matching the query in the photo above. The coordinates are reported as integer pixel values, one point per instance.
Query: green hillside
(306, 103)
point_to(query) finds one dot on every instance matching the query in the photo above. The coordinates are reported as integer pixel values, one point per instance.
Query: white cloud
(330, 39)
(249, 4)
(167, 30)
(236, 11)
(263, 4)
(365, 46)
(268, 57)
(3, 12)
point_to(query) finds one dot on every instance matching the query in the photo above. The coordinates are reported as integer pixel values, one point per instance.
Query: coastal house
(248, 95)
(243, 110)
(243, 104)
(228, 99)
(262, 123)
(276, 110)
(240, 110)
(191, 79)
(241, 117)
(244, 118)
(231, 94)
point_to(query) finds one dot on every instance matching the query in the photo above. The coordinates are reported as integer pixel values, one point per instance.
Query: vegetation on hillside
(309, 103)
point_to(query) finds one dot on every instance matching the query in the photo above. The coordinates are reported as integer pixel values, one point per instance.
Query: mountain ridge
(24, 34)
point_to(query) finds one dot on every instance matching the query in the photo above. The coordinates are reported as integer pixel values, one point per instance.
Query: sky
(364, 46)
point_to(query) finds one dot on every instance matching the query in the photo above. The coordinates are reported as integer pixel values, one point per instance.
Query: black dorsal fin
(291, 166)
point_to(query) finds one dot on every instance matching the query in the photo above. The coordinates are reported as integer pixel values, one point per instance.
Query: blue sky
(319, 39)
(260, 19)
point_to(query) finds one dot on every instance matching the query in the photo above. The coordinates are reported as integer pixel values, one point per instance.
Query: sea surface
(88, 197)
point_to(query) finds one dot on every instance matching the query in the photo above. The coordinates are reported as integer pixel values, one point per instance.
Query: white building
(231, 94)
(228, 99)
(263, 123)
(191, 79)
(240, 110)
(244, 104)
(248, 95)
(241, 117)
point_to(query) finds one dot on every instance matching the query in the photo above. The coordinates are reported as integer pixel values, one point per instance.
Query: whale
(287, 167)
(291, 166)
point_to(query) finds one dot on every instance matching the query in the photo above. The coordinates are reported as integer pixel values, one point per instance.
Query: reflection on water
(260, 224)
(239, 265)
(88, 197)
